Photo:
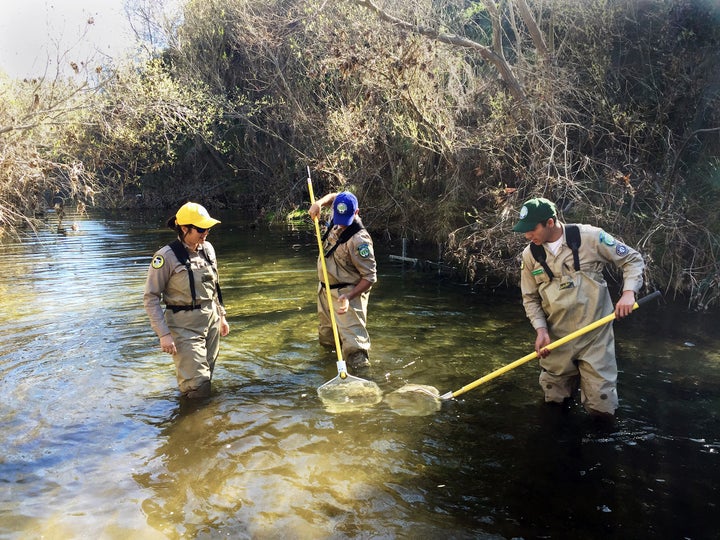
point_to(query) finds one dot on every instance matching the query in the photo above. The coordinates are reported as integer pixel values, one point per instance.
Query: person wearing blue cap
(563, 289)
(352, 271)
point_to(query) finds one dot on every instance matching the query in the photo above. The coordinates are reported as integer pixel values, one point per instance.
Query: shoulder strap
(572, 237)
(184, 258)
(213, 264)
(346, 235)
(538, 253)
(328, 228)
(180, 251)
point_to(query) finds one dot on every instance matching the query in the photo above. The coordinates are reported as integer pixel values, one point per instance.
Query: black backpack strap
(328, 228)
(572, 237)
(217, 277)
(346, 235)
(180, 251)
(184, 258)
(538, 252)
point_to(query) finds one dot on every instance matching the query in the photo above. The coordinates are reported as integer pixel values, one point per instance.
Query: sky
(34, 32)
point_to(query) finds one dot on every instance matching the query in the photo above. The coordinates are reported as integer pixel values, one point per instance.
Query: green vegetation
(442, 117)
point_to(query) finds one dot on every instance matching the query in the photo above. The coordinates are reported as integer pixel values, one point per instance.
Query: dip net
(349, 394)
(414, 400)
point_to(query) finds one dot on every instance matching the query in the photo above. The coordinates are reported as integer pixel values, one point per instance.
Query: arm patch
(157, 262)
(607, 239)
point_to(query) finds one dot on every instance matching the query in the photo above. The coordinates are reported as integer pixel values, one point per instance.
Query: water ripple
(97, 443)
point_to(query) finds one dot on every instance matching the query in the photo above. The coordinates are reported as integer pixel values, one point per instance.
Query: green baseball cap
(533, 212)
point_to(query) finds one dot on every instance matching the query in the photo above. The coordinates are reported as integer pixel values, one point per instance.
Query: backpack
(572, 236)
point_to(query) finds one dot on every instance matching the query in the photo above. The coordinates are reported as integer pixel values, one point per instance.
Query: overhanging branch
(489, 55)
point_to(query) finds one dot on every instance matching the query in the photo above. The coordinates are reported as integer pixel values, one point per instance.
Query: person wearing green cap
(563, 289)
(184, 275)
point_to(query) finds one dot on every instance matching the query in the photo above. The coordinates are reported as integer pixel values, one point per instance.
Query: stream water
(96, 443)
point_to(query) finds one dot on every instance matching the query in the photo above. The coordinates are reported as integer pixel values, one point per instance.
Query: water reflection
(97, 444)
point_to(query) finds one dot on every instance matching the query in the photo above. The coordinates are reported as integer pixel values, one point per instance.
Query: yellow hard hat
(194, 214)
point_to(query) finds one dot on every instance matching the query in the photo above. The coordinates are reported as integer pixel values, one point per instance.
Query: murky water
(97, 445)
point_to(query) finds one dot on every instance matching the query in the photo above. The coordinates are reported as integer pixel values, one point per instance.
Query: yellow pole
(342, 368)
(555, 344)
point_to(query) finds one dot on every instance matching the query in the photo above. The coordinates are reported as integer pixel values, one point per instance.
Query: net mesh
(351, 393)
(414, 400)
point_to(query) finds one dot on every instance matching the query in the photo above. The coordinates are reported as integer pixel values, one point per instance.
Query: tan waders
(352, 327)
(197, 338)
(590, 358)
(350, 262)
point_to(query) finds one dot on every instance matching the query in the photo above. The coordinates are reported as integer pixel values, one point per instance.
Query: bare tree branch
(496, 27)
(532, 27)
(488, 54)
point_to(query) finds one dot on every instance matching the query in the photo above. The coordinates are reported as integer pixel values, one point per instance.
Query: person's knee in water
(202, 391)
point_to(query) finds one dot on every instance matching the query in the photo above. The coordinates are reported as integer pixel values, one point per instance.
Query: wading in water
(563, 289)
(352, 271)
(184, 276)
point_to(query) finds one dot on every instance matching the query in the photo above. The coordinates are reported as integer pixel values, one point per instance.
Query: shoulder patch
(157, 262)
(607, 239)
(621, 250)
(364, 250)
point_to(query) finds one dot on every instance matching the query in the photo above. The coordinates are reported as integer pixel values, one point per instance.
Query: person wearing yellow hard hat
(183, 276)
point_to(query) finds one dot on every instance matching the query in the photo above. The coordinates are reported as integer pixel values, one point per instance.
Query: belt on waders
(338, 285)
(176, 309)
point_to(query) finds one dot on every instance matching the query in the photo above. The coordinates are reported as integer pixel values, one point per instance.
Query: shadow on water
(97, 443)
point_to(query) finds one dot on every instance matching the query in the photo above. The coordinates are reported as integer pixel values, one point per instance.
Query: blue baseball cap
(344, 208)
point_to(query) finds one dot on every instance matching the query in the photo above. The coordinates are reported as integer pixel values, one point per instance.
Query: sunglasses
(198, 229)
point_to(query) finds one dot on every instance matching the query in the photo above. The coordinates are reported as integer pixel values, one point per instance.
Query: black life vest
(184, 257)
(572, 237)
